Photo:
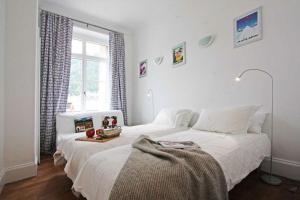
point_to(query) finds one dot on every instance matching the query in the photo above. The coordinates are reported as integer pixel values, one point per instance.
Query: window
(89, 77)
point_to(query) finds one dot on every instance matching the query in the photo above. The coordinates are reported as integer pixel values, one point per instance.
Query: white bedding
(77, 152)
(237, 155)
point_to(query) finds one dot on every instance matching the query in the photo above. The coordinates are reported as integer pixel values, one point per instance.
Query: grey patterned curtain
(117, 67)
(56, 42)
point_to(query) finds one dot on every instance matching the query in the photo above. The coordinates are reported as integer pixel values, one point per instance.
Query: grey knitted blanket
(153, 172)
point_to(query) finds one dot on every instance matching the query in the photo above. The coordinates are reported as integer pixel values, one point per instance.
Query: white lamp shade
(158, 60)
(206, 41)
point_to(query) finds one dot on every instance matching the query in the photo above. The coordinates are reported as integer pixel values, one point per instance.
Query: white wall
(2, 46)
(207, 78)
(20, 86)
(128, 37)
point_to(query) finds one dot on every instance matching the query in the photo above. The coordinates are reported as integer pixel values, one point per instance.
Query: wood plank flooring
(52, 184)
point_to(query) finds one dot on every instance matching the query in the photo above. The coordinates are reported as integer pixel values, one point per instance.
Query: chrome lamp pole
(267, 178)
(150, 94)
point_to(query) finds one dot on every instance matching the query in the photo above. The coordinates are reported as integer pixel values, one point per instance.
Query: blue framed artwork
(248, 28)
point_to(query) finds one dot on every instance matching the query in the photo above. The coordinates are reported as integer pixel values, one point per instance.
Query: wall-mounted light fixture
(158, 60)
(150, 95)
(206, 41)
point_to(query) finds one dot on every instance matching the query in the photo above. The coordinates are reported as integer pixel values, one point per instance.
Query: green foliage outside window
(92, 73)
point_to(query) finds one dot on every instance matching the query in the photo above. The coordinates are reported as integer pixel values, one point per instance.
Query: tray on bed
(86, 139)
(107, 135)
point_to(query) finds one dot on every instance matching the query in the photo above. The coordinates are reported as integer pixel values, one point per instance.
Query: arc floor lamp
(267, 178)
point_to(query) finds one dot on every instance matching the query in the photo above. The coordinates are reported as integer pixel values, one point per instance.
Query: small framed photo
(179, 55)
(248, 28)
(143, 68)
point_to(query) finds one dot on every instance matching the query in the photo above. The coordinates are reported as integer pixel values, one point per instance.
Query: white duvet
(76, 153)
(237, 155)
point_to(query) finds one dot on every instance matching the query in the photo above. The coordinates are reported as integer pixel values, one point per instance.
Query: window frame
(85, 58)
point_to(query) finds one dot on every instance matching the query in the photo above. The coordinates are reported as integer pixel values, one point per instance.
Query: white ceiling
(135, 13)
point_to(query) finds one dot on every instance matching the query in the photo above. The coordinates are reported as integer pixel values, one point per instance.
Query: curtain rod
(82, 22)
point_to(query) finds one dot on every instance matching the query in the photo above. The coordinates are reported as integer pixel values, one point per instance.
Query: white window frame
(84, 39)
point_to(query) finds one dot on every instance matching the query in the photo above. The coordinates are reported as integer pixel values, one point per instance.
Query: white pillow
(183, 118)
(230, 120)
(173, 117)
(256, 122)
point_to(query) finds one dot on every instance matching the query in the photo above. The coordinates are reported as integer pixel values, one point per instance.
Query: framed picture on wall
(248, 28)
(179, 55)
(143, 68)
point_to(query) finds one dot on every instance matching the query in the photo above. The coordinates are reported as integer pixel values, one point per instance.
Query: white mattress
(77, 152)
(237, 155)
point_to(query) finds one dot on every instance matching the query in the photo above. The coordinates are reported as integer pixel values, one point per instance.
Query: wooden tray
(86, 139)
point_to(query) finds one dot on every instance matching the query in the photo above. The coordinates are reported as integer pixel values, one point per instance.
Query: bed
(237, 155)
(232, 137)
(76, 153)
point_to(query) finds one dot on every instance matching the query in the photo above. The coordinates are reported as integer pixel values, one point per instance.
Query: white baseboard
(19, 172)
(282, 167)
(2, 173)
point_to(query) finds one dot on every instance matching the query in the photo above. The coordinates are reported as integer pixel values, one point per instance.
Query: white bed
(77, 152)
(237, 155)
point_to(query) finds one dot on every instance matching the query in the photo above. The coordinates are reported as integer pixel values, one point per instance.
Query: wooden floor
(52, 183)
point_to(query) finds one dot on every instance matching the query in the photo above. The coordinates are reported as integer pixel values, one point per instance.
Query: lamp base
(270, 179)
